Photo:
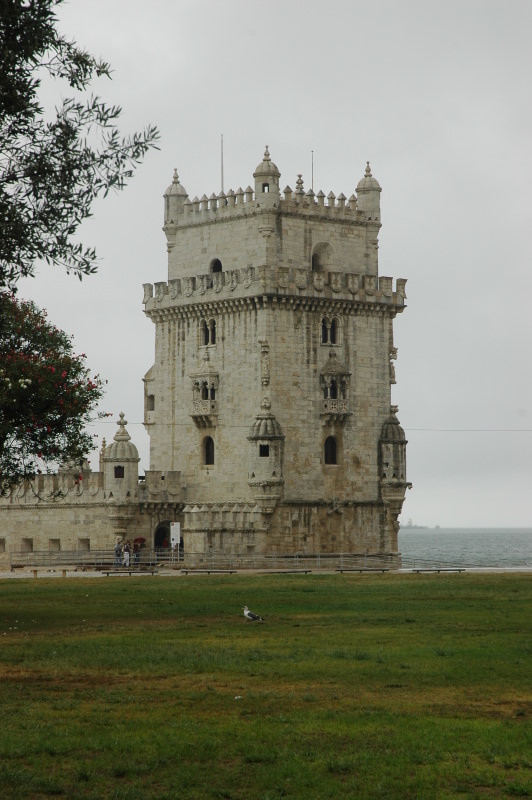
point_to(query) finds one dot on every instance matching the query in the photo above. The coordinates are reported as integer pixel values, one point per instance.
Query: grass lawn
(372, 686)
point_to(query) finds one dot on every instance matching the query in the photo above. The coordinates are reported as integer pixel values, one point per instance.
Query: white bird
(250, 615)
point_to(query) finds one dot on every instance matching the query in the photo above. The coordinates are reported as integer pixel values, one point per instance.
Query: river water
(468, 547)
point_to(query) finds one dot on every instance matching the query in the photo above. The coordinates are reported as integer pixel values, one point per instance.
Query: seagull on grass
(251, 616)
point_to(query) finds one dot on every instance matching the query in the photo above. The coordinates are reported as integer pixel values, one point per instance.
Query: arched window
(213, 392)
(330, 450)
(204, 392)
(216, 265)
(322, 256)
(330, 331)
(208, 451)
(208, 332)
(333, 394)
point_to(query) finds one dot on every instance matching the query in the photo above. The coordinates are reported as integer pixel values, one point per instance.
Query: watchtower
(271, 387)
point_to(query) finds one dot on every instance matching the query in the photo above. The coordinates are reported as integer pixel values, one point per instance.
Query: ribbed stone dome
(121, 448)
(391, 430)
(265, 425)
(266, 168)
(175, 188)
(368, 182)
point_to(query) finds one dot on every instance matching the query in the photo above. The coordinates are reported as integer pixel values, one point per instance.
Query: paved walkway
(27, 573)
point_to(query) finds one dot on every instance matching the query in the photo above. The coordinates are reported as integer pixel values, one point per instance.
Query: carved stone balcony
(204, 413)
(334, 411)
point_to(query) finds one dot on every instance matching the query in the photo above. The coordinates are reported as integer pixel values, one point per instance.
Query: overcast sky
(437, 96)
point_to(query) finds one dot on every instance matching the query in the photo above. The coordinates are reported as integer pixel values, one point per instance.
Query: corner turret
(175, 198)
(120, 465)
(368, 196)
(266, 441)
(267, 182)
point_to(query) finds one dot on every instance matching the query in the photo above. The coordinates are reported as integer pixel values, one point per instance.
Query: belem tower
(268, 405)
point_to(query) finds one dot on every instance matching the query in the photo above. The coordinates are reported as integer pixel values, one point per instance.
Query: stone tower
(271, 387)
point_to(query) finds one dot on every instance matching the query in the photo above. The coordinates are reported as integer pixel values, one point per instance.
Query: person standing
(127, 550)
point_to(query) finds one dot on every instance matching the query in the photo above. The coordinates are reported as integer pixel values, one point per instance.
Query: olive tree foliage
(53, 167)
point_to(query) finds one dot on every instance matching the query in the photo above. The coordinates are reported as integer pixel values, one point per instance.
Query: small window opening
(264, 450)
(216, 265)
(330, 450)
(324, 331)
(316, 263)
(119, 472)
(208, 332)
(332, 332)
(208, 451)
(150, 402)
(204, 392)
(334, 390)
(265, 188)
(213, 393)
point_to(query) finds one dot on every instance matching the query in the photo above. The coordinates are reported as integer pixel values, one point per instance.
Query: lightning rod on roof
(222, 159)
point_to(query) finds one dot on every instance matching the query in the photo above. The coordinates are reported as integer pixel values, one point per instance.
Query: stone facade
(268, 405)
(270, 391)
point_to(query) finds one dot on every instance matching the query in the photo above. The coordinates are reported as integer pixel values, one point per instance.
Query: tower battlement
(294, 282)
(244, 202)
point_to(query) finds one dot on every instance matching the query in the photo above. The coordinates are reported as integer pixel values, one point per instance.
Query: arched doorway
(161, 539)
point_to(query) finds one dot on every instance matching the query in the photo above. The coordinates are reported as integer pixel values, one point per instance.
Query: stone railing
(330, 406)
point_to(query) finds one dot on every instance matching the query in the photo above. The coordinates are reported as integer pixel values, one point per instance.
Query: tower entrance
(161, 540)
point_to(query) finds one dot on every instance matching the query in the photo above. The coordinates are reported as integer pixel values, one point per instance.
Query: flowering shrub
(47, 395)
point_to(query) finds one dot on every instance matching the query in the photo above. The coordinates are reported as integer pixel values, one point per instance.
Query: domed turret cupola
(392, 450)
(266, 440)
(120, 465)
(175, 198)
(267, 182)
(368, 196)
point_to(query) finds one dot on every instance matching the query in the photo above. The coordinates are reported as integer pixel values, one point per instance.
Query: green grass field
(388, 686)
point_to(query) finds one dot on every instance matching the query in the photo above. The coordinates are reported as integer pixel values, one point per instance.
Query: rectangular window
(119, 472)
(264, 450)
(54, 545)
(84, 544)
(27, 545)
(2, 545)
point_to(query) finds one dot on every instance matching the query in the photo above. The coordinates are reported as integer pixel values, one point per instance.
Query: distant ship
(410, 526)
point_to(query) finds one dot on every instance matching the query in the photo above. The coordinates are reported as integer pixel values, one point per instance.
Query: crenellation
(242, 203)
(284, 280)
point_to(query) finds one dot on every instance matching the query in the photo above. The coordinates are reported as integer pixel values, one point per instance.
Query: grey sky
(437, 97)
